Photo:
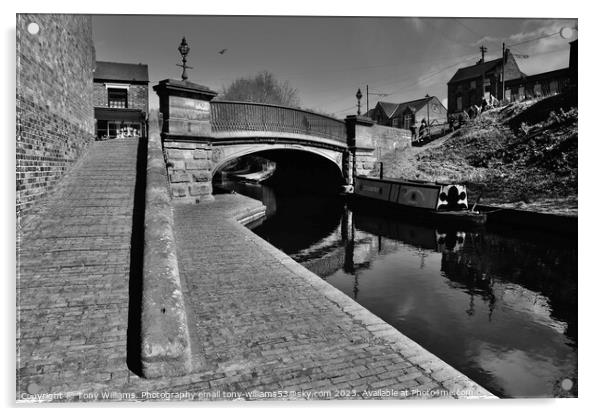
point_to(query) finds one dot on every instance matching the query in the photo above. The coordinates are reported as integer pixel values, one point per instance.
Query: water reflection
(501, 308)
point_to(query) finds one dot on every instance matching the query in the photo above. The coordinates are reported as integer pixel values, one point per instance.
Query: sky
(328, 58)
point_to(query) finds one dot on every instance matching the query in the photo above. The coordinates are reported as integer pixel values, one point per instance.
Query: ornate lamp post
(358, 95)
(184, 49)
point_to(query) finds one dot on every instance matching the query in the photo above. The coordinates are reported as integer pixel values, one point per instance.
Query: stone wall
(365, 162)
(137, 96)
(55, 116)
(386, 139)
(371, 141)
(189, 170)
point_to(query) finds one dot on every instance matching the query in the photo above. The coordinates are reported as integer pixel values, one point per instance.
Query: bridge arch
(298, 168)
(225, 154)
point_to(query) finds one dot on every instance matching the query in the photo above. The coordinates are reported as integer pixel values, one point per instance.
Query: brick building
(408, 114)
(55, 116)
(573, 60)
(544, 83)
(538, 85)
(471, 84)
(120, 99)
(411, 115)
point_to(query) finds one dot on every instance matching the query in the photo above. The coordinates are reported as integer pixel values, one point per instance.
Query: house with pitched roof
(409, 114)
(120, 100)
(471, 84)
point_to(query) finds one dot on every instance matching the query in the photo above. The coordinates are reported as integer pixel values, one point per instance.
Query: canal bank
(266, 323)
(510, 295)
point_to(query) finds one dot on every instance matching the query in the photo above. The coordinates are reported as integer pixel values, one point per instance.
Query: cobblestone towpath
(73, 267)
(264, 323)
(261, 326)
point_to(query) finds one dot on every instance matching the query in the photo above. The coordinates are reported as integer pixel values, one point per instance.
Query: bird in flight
(223, 51)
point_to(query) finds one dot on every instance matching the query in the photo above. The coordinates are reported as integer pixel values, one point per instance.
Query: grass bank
(523, 155)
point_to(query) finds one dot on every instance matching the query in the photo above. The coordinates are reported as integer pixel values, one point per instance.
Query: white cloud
(545, 54)
(486, 39)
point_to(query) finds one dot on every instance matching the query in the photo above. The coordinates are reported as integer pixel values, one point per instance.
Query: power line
(439, 71)
(407, 79)
(537, 38)
(423, 79)
(443, 35)
(469, 29)
(545, 53)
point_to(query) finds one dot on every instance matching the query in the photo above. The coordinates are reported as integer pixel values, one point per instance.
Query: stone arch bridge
(200, 135)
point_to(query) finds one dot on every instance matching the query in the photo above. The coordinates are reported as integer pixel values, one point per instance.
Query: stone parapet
(185, 107)
(165, 342)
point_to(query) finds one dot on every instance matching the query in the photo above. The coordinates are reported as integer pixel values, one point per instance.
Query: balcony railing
(234, 116)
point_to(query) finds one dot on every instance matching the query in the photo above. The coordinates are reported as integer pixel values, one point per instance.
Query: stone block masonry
(189, 167)
(55, 118)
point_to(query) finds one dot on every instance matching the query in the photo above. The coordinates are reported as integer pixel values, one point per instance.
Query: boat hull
(444, 203)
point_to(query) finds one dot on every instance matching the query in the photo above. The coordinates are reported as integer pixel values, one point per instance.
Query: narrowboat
(443, 202)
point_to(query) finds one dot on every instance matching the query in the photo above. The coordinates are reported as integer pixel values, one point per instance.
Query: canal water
(498, 305)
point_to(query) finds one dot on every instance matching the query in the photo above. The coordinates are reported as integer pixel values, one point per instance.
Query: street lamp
(184, 49)
(358, 95)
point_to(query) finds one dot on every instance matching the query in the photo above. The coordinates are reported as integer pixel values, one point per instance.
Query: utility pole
(503, 64)
(428, 115)
(368, 93)
(483, 50)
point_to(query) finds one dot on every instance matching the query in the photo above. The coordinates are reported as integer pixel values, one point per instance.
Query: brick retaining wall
(55, 116)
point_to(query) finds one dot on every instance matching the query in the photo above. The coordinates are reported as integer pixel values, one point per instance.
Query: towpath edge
(265, 323)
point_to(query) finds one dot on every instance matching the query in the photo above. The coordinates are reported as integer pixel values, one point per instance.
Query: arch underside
(222, 154)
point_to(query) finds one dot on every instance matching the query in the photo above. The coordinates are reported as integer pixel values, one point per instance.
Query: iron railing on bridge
(231, 116)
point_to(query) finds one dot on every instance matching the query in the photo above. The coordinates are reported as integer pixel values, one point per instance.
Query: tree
(262, 88)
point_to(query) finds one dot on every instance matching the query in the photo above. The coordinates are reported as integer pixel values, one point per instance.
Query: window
(459, 103)
(110, 129)
(473, 85)
(407, 121)
(521, 93)
(118, 97)
(102, 129)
